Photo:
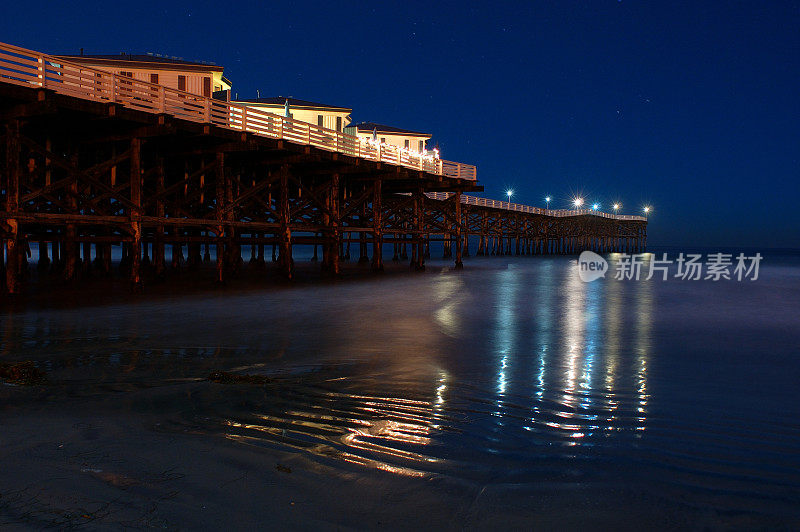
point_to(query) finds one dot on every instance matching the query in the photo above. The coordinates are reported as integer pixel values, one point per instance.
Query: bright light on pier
(578, 202)
(617, 206)
(509, 193)
(595, 206)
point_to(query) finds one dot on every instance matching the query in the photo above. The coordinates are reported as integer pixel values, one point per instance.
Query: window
(181, 83)
(338, 123)
(421, 146)
(154, 81)
(125, 84)
(320, 120)
(408, 143)
(207, 87)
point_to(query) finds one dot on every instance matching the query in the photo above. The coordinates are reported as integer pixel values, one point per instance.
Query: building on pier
(393, 136)
(323, 115)
(200, 78)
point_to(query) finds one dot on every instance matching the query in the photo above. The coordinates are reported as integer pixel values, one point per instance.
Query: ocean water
(675, 398)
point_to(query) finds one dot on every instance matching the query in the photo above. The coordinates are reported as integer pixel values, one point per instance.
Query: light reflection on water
(521, 372)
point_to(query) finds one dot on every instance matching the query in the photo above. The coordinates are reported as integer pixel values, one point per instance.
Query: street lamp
(647, 210)
(578, 202)
(509, 193)
(616, 207)
(595, 206)
(547, 199)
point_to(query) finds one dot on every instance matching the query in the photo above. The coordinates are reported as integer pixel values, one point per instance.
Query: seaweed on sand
(25, 373)
(224, 377)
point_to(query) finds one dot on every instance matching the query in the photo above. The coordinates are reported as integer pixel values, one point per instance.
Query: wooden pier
(92, 162)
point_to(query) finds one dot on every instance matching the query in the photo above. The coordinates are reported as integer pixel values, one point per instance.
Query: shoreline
(49, 291)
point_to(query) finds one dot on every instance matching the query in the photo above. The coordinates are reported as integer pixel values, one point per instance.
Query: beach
(510, 394)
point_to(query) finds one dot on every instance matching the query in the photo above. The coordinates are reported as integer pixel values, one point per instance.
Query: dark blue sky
(692, 107)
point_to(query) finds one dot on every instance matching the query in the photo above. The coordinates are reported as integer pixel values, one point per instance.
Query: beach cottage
(201, 78)
(319, 114)
(394, 136)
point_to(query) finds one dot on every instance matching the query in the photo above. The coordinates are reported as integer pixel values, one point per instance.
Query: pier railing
(505, 205)
(33, 69)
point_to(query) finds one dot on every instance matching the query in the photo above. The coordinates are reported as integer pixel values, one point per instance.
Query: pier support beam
(418, 255)
(221, 195)
(136, 213)
(13, 247)
(330, 250)
(286, 262)
(363, 255)
(159, 265)
(457, 228)
(232, 255)
(377, 227)
(70, 244)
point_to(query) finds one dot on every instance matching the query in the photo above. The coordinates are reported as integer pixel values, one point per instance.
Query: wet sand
(507, 395)
(96, 464)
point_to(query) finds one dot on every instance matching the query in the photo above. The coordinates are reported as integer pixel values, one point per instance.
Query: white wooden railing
(28, 68)
(497, 204)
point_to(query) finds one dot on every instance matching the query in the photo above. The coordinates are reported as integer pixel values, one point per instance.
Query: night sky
(691, 107)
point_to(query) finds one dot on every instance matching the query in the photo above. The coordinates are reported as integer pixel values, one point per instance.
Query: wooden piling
(285, 235)
(457, 228)
(418, 258)
(377, 226)
(13, 275)
(136, 212)
(159, 254)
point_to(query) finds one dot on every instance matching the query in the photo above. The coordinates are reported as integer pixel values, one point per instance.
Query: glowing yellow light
(617, 206)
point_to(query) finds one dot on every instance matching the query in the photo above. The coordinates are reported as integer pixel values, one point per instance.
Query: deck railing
(497, 204)
(28, 68)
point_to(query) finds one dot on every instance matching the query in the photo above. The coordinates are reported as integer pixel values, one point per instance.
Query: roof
(293, 102)
(131, 59)
(369, 127)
